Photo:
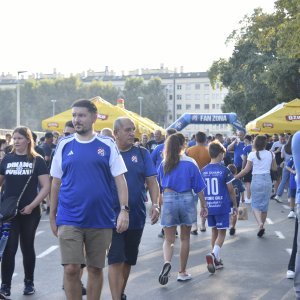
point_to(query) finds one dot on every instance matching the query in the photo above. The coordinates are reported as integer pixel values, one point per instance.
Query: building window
(188, 106)
(197, 86)
(197, 106)
(206, 86)
(170, 117)
(217, 106)
(188, 97)
(206, 106)
(188, 86)
(178, 106)
(178, 97)
(170, 97)
(206, 97)
(213, 106)
(179, 87)
(197, 97)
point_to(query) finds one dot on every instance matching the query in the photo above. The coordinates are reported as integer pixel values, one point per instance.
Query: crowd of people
(95, 187)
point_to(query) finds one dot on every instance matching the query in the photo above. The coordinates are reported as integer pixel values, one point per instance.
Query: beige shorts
(84, 246)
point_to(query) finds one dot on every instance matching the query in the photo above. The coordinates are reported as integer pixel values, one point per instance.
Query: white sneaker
(291, 215)
(278, 199)
(184, 277)
(290, 274)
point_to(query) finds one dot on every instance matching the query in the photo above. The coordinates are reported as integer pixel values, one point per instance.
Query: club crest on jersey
(101, 151)
(134, 158)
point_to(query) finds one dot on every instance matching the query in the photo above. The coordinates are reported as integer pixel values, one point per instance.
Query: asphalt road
(254, 268)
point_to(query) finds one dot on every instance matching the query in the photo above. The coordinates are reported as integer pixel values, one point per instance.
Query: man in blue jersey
(81, 211)
(219, 194)
(237, 147)
(124, 248)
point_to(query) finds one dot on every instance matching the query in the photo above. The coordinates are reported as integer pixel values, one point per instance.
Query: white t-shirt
(262, 165)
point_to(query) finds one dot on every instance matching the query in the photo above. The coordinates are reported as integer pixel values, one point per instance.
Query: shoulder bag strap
(27, 182)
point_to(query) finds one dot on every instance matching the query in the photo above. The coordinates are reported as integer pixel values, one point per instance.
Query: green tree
(258, 74)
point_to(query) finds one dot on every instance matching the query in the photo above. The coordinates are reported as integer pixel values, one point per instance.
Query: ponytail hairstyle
(260, 143)
(26, 132)
(288, 145)
(173, 147)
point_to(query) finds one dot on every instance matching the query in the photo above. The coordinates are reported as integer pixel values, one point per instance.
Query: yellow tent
(283, 118)
(107, 114)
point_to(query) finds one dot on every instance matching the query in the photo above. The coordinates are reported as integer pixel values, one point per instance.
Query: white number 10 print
(212, 186)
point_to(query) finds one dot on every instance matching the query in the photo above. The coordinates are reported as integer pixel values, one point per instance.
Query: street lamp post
(18, 99)
(53, 106)
(141, 100)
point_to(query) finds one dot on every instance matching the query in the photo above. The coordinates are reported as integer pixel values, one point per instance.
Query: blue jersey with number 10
(217, 176)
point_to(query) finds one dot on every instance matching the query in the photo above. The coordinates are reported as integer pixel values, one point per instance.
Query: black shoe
(164, 274)
(261, 232)
(176, 233)
(29, 287)
(232, 231)
(123, 297)
(194, 232)
(83, 290)
(273, 196)
(4, 290)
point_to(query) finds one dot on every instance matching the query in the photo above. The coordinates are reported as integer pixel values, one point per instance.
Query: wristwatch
(125, 207)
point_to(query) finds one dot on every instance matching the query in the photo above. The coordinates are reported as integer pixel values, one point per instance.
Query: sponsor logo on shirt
(134, 158)
(70, 153)
(101, 152)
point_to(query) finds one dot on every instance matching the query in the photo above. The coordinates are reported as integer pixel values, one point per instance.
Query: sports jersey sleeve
(153, 155)
(159, 176)
(228, 176)
(56, 166)
(289, 164)
(149, 165)
(198, 183)
(116, 162)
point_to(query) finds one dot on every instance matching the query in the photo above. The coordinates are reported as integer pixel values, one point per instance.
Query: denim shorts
(178, 209)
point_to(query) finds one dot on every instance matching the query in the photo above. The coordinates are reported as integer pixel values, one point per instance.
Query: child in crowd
(219, 194)
(293, 187)
(239, 195)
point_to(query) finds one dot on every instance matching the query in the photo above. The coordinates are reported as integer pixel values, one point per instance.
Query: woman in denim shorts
(179, 177)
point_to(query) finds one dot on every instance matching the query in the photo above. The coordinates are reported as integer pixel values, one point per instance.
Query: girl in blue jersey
(178, 177)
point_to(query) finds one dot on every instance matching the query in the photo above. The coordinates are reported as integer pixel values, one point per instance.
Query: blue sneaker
(4, 291)
(29, 287)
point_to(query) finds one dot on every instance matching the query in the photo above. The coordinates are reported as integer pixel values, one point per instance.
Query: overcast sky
(74, 35)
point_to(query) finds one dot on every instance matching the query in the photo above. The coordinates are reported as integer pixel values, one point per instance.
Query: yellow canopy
(283, 118)
(107, 114)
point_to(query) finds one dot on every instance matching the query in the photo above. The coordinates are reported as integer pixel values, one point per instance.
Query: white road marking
(49, 250)
(269, 221)
(39, 232)
(289, 251)
(286, 206)
(280, 235)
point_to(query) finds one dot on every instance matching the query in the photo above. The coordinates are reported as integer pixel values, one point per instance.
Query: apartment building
(186, 92)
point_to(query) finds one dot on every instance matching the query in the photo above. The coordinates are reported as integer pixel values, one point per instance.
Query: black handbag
(10, 206)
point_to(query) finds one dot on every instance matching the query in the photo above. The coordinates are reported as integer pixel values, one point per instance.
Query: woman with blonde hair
(15, 169)
(179, 177)
(261, 161)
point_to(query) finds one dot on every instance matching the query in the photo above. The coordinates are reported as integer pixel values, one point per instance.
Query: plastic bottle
(4, 238)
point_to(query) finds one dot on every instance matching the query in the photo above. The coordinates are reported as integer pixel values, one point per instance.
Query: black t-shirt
(151, 145)
(17, 169)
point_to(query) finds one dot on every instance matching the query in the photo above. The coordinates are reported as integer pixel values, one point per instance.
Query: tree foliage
(36, 96)
(264, 67)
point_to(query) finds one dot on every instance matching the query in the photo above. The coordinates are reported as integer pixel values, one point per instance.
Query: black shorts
(248, 177)
(125, 247)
